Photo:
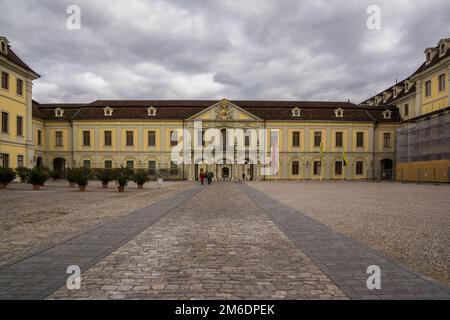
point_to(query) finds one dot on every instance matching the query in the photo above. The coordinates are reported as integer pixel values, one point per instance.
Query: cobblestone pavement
(216, 245)
(41, 274)
(31, 221)
(344, 260)
(226, 241)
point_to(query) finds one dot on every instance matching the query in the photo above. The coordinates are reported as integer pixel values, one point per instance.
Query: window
(296, 112)
(442, 82)
(151, 166)
(19, 87)
(108, 138)
(317, 138)
(317, 168)
(247, 139)
(359, 168)
(4, 160)
(428, 88)
(151, 111)
(428, 56)
(338, 168)
(5, 122)
(87, 163)
(129, 138)
(442, 49)
(296, 139)
(5, 80)
(130, 164)
(406, 86)
(59, 112)
(19, 161)
(3, 47)
(108, 164)
(338, 138)
(406, 110)
(59, 138)
(107, 112)
(387, 140)
(173, 168)
(19, 126)
(295, 168)
(152, 138)
(39, 137)
(174, 138)
(360, 139)
(339, 113)
(86, 138)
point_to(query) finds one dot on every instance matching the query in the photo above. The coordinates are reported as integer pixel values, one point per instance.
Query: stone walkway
(227, 241)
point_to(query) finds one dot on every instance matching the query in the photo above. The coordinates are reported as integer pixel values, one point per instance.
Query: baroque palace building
(423, 141)
(315, 140)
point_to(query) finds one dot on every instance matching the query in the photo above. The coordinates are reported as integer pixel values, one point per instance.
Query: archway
(59, 166)
(39, 162)
(386, 169)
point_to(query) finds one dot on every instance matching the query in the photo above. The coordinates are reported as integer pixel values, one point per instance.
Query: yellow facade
(16, 144)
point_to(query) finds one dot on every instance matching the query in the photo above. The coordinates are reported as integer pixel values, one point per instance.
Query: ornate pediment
(225, 110)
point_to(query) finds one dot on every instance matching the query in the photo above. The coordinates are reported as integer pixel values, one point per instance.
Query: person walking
(243, 176)
(209, 176)
(202, 178)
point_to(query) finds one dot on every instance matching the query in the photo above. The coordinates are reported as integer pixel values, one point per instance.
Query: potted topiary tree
(6, 176)
(54, 175)
(46, 170)
(37, 177)
(70, 177)
(122, 176)
(81, 177)
(140, 177)
(105, 176)
(22, 173)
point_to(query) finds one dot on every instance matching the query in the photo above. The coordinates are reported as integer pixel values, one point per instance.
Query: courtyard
(249, 240)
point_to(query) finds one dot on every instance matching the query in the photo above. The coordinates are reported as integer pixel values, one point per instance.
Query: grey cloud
(250, 49)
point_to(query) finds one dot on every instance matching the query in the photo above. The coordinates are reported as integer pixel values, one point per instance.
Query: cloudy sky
(208, 49)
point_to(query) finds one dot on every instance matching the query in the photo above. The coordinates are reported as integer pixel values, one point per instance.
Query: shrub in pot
(81, 177)
(47, 171)
(70, 177)
(6, 176)
(122, 176)
(22, 173)
(37, 177)
(105, 176)
(140, 177)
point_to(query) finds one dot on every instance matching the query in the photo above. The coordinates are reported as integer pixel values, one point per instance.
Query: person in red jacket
(202, 177)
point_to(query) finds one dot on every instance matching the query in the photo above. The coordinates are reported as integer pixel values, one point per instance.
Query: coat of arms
(224, 112)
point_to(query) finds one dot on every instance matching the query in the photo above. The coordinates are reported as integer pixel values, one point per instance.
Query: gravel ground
(30, 220)
(409, 222)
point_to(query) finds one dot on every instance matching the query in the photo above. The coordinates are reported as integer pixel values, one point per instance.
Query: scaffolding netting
(424, 140)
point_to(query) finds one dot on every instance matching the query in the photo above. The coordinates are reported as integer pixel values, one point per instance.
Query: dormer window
(387, 114)
(59, 113)
(151, 111)
(406, 86)
(296, 112)
(430, 54)
(339, 113)
(108, 111)
(4, 45)
(442, 49)
(384, 97)
(377, 100)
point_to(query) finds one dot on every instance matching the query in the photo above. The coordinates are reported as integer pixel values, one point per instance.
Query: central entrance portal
(225, 173)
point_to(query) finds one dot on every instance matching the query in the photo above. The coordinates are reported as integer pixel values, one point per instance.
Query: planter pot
(121, 188)
(105, 185)
(36, 186)
(82, 188)
(3, 185)
(140, 186)
(72, 184)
